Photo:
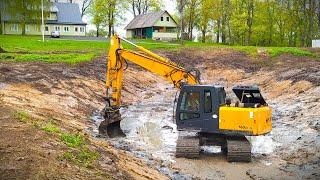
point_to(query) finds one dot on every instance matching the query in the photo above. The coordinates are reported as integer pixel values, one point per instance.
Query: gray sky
(169, 5)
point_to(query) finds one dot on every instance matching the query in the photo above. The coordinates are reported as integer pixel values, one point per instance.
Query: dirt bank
(66, 96)
(70, 95)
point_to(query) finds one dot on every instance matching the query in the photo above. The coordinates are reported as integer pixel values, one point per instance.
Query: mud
(73, 96)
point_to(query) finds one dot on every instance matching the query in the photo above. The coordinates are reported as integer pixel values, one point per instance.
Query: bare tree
(144, 6)
(85, 5)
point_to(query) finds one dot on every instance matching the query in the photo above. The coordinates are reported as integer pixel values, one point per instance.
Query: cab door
(189, 110)
(210, 115)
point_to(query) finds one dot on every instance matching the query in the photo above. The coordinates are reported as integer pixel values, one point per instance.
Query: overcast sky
(169, 5)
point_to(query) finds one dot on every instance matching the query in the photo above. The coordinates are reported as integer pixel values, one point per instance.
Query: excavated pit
(74, 96)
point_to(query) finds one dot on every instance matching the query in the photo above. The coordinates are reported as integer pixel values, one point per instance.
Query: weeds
(72, 140)
(83, 157)
(23, 117)
(51, 128)
(78, 151)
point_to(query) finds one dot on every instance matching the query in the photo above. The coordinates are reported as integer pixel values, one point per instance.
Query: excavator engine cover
(249, 94)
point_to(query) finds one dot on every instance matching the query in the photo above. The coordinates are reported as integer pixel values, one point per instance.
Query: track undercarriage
(236, 148)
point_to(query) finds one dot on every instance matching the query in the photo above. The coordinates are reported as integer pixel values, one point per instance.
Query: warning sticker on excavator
(251, 115)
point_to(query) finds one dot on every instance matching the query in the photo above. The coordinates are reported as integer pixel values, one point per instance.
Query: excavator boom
(117, 61)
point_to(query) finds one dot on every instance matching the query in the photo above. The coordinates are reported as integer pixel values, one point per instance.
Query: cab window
(207, 102)
(191, 105)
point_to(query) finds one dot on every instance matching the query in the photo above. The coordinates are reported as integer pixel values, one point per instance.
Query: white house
(155, 25)
(316, 43)
(64, 17)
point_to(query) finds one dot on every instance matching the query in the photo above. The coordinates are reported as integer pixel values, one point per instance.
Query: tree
(250, 14)
(192, 16)
(106, 14)
(144, 6)
(253, 22)
(205, 15)
(181, 6)
(85, 5)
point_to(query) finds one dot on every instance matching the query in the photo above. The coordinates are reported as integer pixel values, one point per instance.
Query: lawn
(31, 48)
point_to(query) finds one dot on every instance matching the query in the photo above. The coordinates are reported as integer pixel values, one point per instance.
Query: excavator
(202, 109)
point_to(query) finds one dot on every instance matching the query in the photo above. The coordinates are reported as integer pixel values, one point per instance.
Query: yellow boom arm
(161, 66)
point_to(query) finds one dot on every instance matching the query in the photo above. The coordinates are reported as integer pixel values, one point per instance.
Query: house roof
(146, 20)
(67, 13)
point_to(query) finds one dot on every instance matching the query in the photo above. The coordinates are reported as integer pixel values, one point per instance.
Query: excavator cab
(198, 107)
(204, 108)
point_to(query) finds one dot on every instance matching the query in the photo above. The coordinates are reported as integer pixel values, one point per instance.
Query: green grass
(22, 117)
(31, 48)
(34, 44)
(50, 127)
(276, 51)
(69, 58)
(72, 140)
(78, 151)
(83, 157)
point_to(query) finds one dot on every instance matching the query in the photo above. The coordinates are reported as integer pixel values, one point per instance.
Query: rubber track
(238, 150)
(188, 147)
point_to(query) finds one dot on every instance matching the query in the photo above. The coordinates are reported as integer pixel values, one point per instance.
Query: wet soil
(73, 95)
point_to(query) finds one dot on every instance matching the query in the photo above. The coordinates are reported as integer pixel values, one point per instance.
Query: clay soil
(70, 94)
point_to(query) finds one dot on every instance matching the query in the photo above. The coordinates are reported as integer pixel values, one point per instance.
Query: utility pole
(42, 26)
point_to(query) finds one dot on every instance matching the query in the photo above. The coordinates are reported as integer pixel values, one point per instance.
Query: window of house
(46, 28)
(66, 29)
(57, 28)
(168, 19)
(14, 27)
(81, 29)
(27, 28)
(161, 18)
(76, 29)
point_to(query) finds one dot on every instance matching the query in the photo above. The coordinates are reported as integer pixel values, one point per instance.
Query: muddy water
(149, 124)
(151, 132)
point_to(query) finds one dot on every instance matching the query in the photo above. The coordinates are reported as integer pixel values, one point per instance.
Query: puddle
(2, 85)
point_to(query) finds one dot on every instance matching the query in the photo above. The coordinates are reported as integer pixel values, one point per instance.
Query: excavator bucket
(111, 124)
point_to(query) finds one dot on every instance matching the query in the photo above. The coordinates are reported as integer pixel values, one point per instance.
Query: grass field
(31, 48)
